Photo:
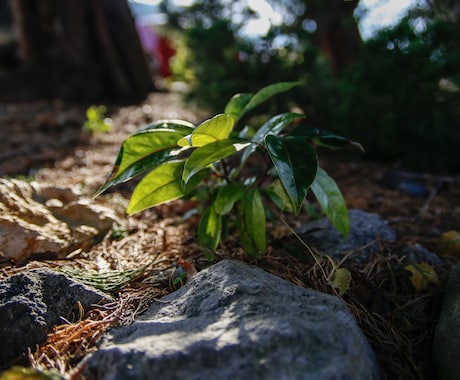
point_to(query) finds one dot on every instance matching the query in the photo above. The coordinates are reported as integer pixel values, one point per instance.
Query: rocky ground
(45, 141)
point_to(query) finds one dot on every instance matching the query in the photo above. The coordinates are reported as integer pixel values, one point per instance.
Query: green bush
(402, 97)
(212, 159)
(217, 61)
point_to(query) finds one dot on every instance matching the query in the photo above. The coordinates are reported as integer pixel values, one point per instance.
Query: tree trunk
(337, 33)
(83, 50)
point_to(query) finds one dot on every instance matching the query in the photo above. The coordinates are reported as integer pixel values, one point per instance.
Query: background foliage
(402, 96)
(399, 96)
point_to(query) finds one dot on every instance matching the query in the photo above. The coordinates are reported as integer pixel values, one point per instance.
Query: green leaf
(176, 125)
(227, 196)
(296, 164)
(208, 154)
(327, 139)
(210, 228)
(273, 126)
(331, 201)
(279, 197)
(236, 104)
(162, 184)
(145, 150)
(215, 129)
(251, 223)
(266, 93)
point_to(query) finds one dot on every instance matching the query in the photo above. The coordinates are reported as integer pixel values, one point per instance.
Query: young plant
(184, 158)
(95, 120)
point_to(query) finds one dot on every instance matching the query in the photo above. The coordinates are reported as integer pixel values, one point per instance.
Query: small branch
(430, 198)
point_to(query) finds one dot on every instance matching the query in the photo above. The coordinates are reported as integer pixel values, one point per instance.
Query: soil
(45, 141)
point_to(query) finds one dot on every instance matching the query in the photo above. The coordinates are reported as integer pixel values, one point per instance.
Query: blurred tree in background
(76, 50)
(402, 97)
(221, 60)
(397, 93)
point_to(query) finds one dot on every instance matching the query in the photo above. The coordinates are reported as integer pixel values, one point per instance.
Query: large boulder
(233, 321)
(32, 302)
(446, 343)
(37, 219)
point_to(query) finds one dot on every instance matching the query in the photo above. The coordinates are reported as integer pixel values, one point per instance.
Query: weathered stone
(31, 222)
(365, 229)
(446, 343)
(32, 302)
(416, 253)
(232, 321)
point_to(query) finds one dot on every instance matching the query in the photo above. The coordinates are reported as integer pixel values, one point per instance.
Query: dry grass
(67, 344)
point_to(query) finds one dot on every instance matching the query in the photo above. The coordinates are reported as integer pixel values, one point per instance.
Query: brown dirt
(45, 140)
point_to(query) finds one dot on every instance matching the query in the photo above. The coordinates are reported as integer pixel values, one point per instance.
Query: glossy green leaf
(266, 93)
(215, 129)
(208, 154)
(210, 228)
(227, 196)
(296, 164)
(145, 150)
(251, 223)
(162, 184)
(273, 126)
(331, 201)
(175, 125)
(327, 139)
(237, 104)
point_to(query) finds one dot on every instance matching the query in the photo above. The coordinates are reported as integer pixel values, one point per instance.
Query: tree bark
(337, 32)
(84, 50)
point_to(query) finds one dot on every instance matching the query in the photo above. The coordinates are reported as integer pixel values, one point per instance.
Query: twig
(427, 203)
(306, 246)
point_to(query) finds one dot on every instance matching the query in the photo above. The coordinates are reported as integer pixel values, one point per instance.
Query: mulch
(45, 141)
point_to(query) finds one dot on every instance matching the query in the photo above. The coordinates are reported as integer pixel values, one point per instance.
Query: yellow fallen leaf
(449, 243)
(422, 275)
(21, 373)
(342, 280)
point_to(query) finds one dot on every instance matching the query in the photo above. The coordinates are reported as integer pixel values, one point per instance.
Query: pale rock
(38, 219)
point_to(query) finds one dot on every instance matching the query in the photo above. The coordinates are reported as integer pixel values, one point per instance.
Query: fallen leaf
(422, 275)
(449, 243)
(21, 373)
(342, 280)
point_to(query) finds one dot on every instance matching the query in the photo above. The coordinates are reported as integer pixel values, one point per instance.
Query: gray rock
(365, 229)
(446, 343)
(233, 321)
(415, 254)
(32, 302)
